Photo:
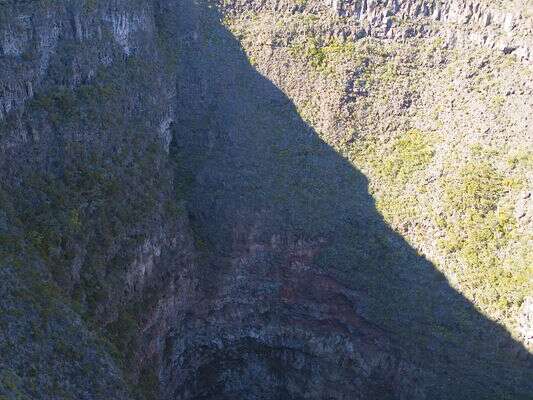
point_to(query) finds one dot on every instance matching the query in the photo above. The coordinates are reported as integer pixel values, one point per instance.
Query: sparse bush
(476, 229)
(411, 152)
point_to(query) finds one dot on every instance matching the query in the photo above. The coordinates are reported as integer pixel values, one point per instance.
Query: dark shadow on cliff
(254, 163)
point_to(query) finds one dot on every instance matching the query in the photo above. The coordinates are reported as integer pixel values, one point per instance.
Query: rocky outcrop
(461, 23)
(248, 328)
(33, 35)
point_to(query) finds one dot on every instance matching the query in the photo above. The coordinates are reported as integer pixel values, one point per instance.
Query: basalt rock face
(91, 220)
(172, 229)
(505, 28)
(286, 306)
(265, 321)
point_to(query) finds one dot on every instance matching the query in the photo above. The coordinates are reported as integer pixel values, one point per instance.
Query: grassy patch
(411, 152)
(324, 57)
(477, 229)
(396, 167)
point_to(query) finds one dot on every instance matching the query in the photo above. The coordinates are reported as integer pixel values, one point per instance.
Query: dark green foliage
(148, 385)
(37, 325)
(83, 197)
(123, 332)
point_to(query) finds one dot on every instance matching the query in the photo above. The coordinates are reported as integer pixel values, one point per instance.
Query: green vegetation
(11, 385)
(477, 226)
(123, 331)
(388, 73)
(477, 229)
(411, 152)
(476, 191)
(521, 158)
(397, 166)
(86, 207)
(148, 384)
(324, 58)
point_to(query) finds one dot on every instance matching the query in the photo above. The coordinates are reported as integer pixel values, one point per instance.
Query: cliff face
(437, 127)
(91, 219)
(502, 26)
(172, 228)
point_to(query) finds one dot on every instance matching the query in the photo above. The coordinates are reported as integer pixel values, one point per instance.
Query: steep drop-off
(442, 130)
(173, 226)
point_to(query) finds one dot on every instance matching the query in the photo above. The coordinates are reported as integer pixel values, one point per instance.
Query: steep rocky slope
(91, 219)
(182, 219)
(442, 131)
